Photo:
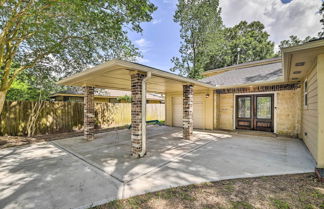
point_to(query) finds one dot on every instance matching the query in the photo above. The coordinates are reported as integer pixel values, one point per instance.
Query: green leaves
(61, 37)
(207, 44)
(199, 20)
(71, 34)
(244, 42)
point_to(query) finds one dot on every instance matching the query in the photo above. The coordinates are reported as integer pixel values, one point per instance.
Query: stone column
(187, 111)
(89, 115)
(136, 131)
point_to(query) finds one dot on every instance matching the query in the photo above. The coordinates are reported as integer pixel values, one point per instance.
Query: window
(244, 107)
(305, 93)
(263, 107)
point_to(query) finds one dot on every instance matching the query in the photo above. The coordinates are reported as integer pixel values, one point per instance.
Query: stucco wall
(288, 112)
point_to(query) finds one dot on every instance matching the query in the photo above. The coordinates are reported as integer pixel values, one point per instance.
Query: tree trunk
(2, 99)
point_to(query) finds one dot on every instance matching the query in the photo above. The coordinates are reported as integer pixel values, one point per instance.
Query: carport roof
(115, 74)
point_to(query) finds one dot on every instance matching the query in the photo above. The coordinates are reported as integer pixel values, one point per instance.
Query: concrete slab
(74, 173)
(234, 156)
(42, 176)
(111, 151)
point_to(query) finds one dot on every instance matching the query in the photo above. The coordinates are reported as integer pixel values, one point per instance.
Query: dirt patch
(281, 192)
(12, 141)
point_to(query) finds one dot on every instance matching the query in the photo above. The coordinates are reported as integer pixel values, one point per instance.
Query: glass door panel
(244, 107)
(263, 105)
(254, 112)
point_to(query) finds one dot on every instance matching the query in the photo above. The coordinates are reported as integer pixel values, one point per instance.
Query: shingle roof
(249, 75)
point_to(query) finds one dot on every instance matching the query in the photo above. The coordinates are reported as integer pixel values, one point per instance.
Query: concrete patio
(75, 173)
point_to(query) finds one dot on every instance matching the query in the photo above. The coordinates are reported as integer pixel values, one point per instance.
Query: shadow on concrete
(75, 173)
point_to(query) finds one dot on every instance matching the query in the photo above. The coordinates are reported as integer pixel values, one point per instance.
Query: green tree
(321, 11)
(244, 42)
(200, 22)
(294, 41)
(29, 87)
(64, 36)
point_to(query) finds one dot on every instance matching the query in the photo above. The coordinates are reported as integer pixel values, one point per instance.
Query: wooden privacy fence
(56, 117)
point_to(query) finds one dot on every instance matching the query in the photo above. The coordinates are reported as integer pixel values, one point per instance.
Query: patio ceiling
(115, 74)
(299, 60)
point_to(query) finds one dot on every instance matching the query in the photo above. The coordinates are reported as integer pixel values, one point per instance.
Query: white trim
(305, 92)
(307, 45)
(254, 93)
(275, 106)
(234, 111)
(116, 64)
(143, 107)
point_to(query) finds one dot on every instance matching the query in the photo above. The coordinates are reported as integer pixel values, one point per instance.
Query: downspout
(148, 76)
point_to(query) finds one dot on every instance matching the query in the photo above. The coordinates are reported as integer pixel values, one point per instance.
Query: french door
(255, 112)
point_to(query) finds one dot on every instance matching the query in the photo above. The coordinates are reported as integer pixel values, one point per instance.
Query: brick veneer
(89, 115)
(187, 111)
(136, 132)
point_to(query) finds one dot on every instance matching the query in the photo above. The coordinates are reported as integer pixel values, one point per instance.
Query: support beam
(89, 115)
(187, 111)
(138, 132)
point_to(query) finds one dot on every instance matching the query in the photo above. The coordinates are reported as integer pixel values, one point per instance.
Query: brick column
(187, 111)
(136, 132)
(89, 115)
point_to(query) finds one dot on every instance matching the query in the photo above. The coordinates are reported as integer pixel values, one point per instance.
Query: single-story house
(281, 95)
(108, 95)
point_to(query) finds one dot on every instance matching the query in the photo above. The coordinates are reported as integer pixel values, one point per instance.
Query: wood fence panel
(56, 117)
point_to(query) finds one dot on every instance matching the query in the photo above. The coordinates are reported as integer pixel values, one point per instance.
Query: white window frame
(305, 94)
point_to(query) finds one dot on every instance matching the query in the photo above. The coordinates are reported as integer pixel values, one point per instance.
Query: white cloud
(142, 42)
(142, 60)
(144, 47)
(156, 21)
(299, 17)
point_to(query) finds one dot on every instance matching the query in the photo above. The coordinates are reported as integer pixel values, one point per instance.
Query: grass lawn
(288, 191)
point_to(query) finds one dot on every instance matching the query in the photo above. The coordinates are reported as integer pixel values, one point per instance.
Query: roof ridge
(242, 65)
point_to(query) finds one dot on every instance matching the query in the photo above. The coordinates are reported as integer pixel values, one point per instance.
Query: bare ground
(284, 192)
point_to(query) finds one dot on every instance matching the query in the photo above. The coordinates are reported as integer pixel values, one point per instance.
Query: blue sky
(160, 40)
(286, 1)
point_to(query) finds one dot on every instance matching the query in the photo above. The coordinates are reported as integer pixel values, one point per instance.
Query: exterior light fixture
(207, 95)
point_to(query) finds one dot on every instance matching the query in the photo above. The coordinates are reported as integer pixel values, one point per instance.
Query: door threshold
(255, 133)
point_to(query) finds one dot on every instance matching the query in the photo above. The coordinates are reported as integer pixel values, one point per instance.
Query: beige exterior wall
(288, 112)
(320, 105)
(208, 121)
(226, 112)
(310, 114)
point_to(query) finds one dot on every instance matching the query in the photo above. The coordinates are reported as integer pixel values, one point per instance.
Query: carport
(139, 79)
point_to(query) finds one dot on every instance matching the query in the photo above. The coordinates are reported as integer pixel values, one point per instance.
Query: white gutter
(148, 76)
